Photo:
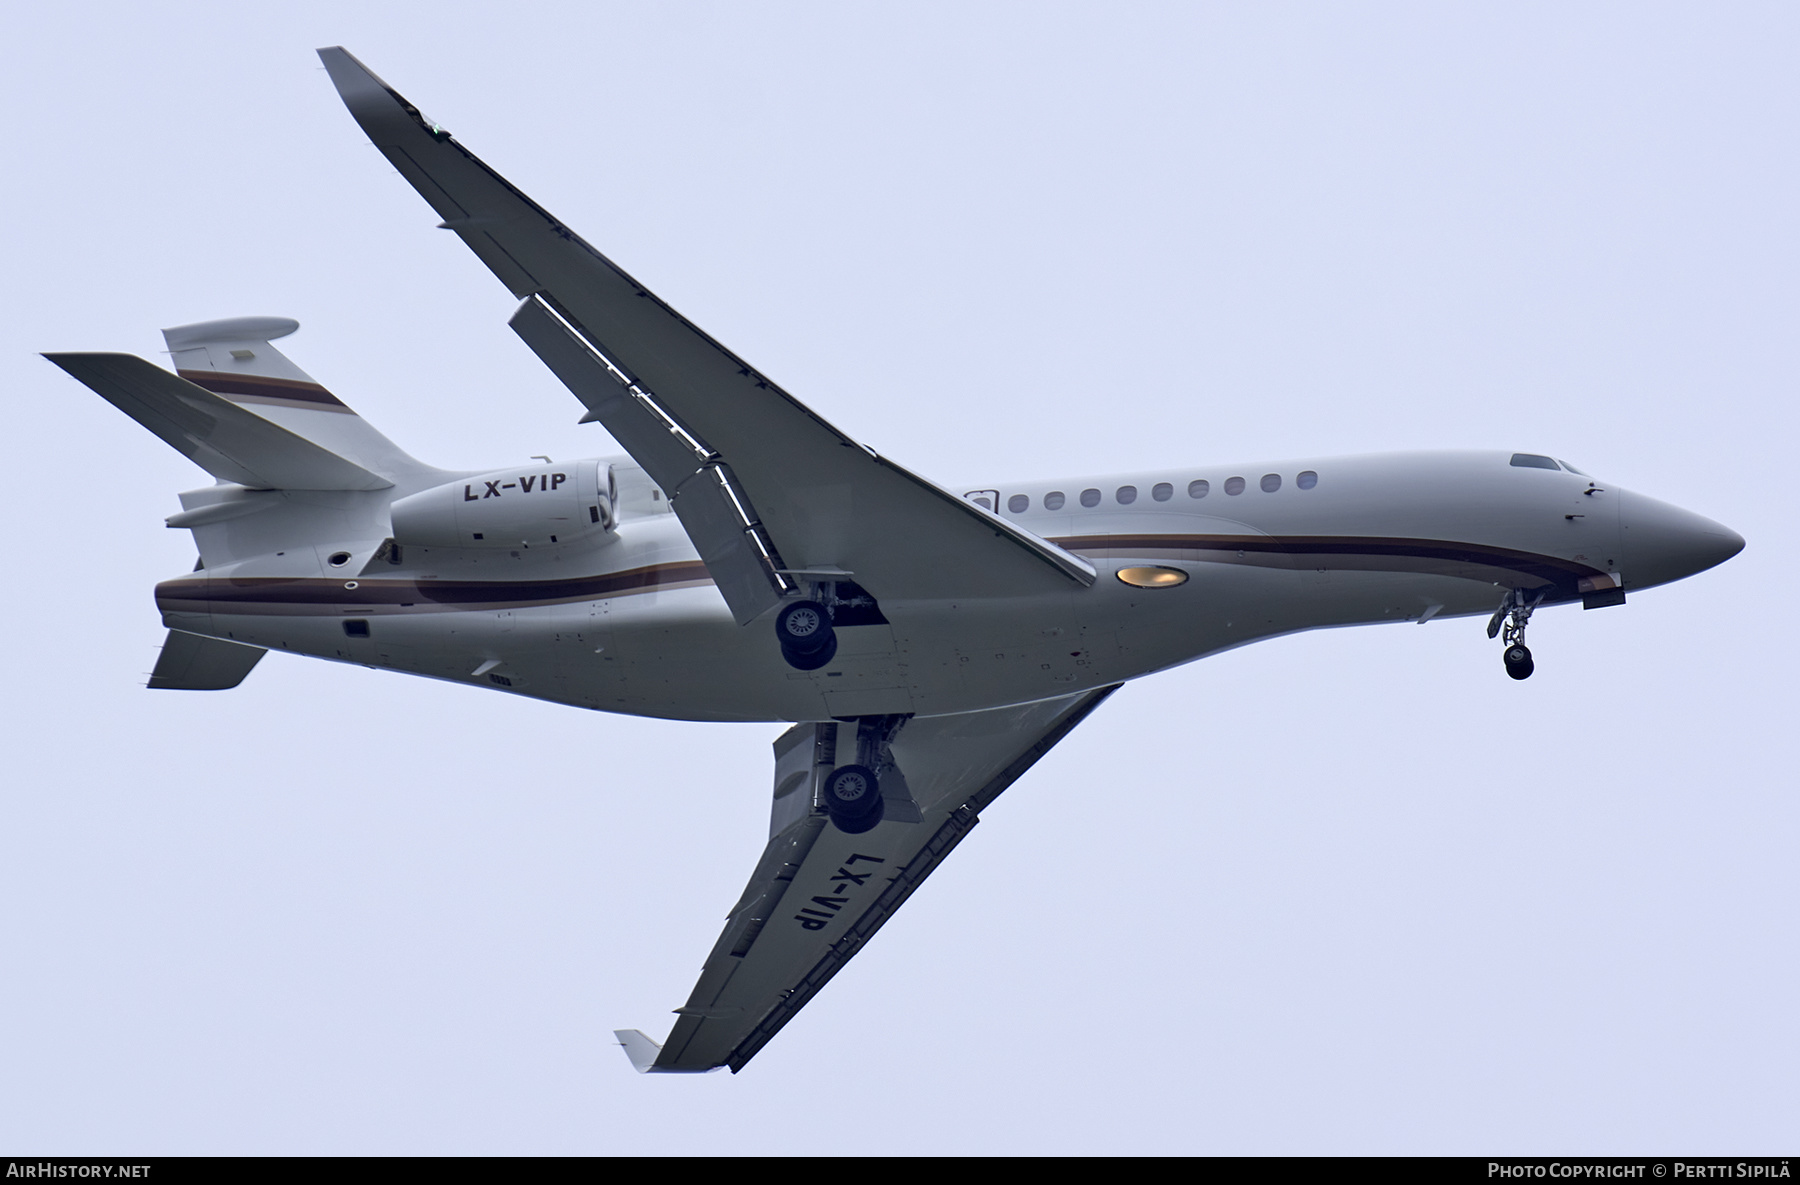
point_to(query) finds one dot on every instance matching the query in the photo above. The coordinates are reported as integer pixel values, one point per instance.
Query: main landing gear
(853, 799)
(807, 629)
(807, 640)
(851, 794)
(1513, 614)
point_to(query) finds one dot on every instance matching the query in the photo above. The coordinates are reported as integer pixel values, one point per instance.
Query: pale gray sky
(1341, 892)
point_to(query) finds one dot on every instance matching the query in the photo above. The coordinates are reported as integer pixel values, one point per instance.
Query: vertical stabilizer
(233, 359)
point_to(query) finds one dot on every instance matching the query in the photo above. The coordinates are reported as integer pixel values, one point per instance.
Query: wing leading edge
(764, 487)
(818, 894)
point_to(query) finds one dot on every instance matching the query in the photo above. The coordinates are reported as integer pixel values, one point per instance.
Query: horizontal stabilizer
(228, 441)
(193, 662)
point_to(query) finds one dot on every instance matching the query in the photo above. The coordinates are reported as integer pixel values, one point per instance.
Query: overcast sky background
(1352, 891)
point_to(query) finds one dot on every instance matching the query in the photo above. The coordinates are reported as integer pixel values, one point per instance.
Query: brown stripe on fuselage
(261, 594)
(263, 388)
(285, 595)
(1376, 553)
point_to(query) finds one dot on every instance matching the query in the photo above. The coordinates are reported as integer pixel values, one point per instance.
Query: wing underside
(765, 487)
(818, 893)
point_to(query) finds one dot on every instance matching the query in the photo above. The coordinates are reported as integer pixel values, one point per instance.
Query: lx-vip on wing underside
(819, 893)
(771, 496)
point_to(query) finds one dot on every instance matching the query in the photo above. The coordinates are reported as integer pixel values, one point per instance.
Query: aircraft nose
(1664, 542)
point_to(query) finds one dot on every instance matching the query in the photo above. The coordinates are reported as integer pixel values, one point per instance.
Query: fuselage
(627, 620)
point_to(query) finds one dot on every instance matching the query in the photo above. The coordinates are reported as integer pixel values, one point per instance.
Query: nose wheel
(1511, 617)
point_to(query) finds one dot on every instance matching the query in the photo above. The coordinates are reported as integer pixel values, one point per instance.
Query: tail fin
(234, 360)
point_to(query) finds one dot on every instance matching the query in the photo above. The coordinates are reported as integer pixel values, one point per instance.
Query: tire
(853, 799)
(812, 662)
(803, 627)
(1518, 661)
(866, 823)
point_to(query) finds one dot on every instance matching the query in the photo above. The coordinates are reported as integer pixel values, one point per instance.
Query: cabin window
(1018, 503)
(1199, 489)
(1162, 491)
(1090, 498)
(1307, 479)
(1234, 486)
(1054, 500)
(1532, 461)
(1271, 482)
(1126, 495)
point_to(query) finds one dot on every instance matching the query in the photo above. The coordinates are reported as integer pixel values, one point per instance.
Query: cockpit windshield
(1539, 461)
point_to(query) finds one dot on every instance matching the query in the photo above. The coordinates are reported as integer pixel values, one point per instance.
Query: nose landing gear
(1513, 614)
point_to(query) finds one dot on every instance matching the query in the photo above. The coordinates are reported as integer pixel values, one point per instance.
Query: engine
(546, 506)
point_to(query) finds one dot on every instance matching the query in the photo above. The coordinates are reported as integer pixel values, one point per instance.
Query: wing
(818, 893)
(767, 490)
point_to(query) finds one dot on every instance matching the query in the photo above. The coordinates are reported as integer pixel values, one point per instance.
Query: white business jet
(749, 561)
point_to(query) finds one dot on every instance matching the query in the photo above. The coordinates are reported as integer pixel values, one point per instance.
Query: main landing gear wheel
(853, 799)
(812, 662)
(1518, 661)
(807, 640)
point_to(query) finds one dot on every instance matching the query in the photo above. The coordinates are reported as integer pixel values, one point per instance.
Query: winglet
(384, 113)
(640, 1049)
(643, 1053)
(362, 91)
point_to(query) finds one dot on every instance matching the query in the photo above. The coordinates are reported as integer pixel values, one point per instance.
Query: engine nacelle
(543, 506)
